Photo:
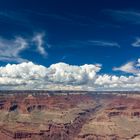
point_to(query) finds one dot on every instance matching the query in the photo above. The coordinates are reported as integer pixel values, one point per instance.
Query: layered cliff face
(128, 107)
(118, 119)
(70, 117)
(44, 117)
(28, 104)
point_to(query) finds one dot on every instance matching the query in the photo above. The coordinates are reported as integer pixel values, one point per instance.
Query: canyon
(69, 115)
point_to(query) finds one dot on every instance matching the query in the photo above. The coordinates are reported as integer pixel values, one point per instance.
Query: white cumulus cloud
(28, 75)
(70, 74)
(31, 76)
(112, 82)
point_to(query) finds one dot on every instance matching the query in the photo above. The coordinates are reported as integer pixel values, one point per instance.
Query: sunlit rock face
(69, 115)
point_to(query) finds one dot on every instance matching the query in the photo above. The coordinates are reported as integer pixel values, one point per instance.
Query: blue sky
(75, 32)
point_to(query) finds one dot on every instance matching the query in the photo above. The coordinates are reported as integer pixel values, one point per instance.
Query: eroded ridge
(44, 117)
(70, 116)
(118, 119)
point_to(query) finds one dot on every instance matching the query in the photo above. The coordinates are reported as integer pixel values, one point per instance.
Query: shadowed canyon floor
(69, 116)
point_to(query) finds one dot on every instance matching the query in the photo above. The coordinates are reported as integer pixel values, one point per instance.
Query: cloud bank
(28, 75)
